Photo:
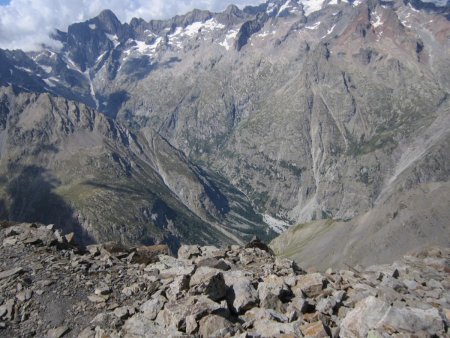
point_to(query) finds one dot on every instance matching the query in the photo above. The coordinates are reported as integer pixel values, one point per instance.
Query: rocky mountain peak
(233, 10)
(107, 21)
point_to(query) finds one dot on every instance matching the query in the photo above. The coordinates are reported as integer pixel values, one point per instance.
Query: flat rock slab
(10, 273)
(316, 330)
(311, 285)
(374, 314)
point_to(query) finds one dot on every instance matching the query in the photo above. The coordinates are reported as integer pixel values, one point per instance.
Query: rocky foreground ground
(49, 288)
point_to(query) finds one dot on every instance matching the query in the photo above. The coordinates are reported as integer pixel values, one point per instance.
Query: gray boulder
(372, 313)
(210, 282)
(152, 307)
(189, 251)
(215, 326)
(241, 295)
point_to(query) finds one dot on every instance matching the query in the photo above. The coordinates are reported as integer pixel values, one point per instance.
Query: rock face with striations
(50, 288)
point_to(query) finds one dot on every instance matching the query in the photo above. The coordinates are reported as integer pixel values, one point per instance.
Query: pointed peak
(232, 9)
(108, 21)
(107, 15)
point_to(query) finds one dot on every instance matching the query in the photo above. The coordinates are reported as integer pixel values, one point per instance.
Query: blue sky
(4, 2)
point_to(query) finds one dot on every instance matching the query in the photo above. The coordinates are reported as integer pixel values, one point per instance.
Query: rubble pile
(51, 288)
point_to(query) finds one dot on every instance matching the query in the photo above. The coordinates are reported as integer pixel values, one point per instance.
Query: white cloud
(26, 24)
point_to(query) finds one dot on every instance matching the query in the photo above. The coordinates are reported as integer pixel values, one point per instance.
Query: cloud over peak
(27, 24)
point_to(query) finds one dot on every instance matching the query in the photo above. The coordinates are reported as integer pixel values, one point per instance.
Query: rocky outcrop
(248, 29)
(50, 288)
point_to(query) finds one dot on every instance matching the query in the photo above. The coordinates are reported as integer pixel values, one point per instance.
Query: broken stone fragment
(10, 241)
(209, 282)
(88, 332)
(70, 238)
(214, 263)
(98, 298)
(271, 328)
(273, 292)
(124, 312)
(212, 252)
(301, 305)
(258, 313)
(257, 243)
(241, 295)
(198, 298)
(103, 289)
(139, 326)
(316, 330)
(310, 285)
(24, 295)
(372, 313)
(177, 271)
(133, 289)
(149, 254)
(191, 325)
(58, 332)
(10, 273)
(152, 307)
(214, 326)
(189, 251)
(180, 284)
(326, 305)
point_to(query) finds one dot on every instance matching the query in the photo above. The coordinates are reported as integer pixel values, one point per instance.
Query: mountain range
(330, 118)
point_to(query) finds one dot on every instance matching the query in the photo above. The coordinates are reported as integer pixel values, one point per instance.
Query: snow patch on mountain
(46, 69)
(142, 48)
(314, 26)
(285, 6)
(114, 39)
(193, 30)
(231, 35)
(51, 81)
(310, 6)
(376, 20)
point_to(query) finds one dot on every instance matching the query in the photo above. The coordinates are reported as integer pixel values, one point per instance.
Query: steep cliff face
(63, 162)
